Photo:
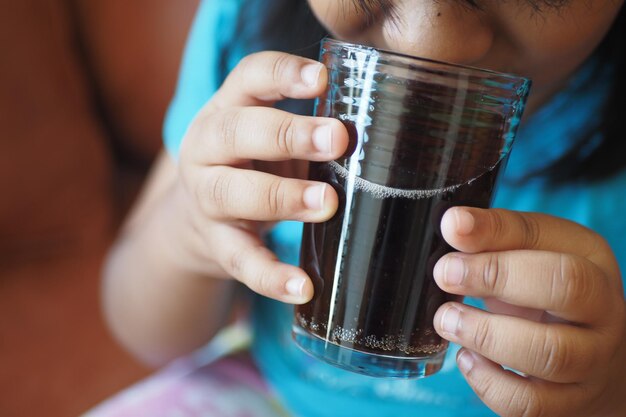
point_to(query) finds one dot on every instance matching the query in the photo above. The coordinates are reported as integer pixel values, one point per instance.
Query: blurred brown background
(84, 85)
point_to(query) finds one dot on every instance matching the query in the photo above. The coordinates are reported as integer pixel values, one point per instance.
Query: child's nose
(444, 32)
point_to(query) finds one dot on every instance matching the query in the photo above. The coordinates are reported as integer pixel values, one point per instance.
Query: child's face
(546, 45)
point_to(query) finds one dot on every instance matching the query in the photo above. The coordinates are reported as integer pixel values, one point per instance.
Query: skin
(557, 311)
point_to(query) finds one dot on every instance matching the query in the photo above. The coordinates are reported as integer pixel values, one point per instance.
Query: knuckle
(496, 222)
(551, 354)
(572, 285)
(215, 196)
(527, 403)
(483, 338)
(481, 384)
(530, 231)
(242, 265)
(562, 359)
(286, 136)
(485, 386)
(227, 124)
(235, 264)
(275, 199)
(280, 67)
(266, 283)
(492, 274)
(517, 400)
(482, 387)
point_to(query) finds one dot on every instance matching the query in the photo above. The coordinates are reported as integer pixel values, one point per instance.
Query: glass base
(367, 363)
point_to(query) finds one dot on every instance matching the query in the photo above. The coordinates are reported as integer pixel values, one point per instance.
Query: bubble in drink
(382, 191)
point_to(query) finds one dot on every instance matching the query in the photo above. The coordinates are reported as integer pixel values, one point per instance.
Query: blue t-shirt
(310, 388)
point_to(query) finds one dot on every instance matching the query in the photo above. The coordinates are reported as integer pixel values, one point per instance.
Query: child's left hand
(557, 316)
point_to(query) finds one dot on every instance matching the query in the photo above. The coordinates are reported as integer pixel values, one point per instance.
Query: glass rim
(481, 72)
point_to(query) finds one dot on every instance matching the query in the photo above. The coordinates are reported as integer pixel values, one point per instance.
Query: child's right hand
(222, 198)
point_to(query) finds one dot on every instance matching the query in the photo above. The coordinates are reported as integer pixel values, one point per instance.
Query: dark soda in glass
(423, 139)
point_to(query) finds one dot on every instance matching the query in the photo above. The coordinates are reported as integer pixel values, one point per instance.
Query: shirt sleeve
(200, 73)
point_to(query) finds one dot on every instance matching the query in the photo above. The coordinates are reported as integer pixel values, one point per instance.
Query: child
(236, 165)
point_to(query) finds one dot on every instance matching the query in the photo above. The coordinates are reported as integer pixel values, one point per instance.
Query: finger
(474, 230)
(266, 77)
(511, 395)
(245, 258)
(237, 134)
(554, 352)
(568, 286)
(228, 193)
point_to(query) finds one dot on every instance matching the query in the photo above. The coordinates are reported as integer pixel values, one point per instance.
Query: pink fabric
(229, 387)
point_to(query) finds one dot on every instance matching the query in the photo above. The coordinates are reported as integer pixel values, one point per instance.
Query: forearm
(159, 302)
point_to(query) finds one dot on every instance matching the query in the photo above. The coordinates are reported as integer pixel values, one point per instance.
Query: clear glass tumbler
(425, 136)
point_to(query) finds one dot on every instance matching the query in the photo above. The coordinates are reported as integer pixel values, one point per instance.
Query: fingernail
(465, 361)
(450, 320)
(310, 74)
(323, 139)
(295, 286)
(464, 221)
(454, 271)
(314, 196)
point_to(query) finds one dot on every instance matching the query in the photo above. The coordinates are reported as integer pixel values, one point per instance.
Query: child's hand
(222, 198)
(558, 313)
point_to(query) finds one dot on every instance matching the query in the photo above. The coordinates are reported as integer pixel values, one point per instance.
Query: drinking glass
(424, 136)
